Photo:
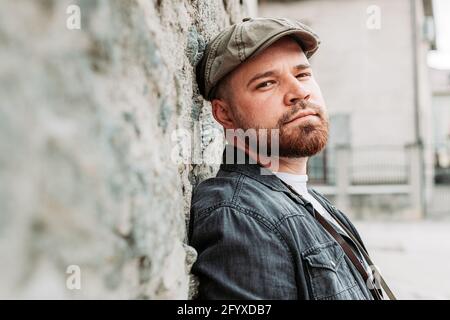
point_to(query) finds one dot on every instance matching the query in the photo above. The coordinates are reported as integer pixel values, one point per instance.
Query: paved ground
(414, 257)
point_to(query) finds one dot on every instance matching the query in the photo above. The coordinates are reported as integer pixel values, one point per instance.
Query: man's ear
(222, 113)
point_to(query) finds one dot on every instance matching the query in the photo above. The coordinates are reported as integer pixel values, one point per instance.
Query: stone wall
(92, 203)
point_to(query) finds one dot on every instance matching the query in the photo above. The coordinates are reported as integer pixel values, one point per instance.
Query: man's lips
(302, 114)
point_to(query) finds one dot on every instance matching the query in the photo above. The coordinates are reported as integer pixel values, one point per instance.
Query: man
(259, 231)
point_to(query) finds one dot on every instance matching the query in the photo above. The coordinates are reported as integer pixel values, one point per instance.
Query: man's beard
(304, 139)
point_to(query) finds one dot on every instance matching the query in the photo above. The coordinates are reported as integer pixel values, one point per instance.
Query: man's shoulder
(215, 191)
(319, 194)
(237, 191)
(338, 214)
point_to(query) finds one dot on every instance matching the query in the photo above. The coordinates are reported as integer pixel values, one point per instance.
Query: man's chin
(293, 153)
(301, 148)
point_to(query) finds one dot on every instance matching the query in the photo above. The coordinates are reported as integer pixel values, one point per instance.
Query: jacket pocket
(329, 274)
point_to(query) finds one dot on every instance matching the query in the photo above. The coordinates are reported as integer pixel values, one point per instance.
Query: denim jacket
(256, 239)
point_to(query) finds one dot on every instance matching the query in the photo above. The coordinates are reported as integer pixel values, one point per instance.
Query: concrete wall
(89, 194)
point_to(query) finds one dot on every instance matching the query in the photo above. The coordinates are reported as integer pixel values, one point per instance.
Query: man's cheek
(318, 97)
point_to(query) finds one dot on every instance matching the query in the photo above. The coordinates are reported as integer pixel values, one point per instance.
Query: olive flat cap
(237, 43)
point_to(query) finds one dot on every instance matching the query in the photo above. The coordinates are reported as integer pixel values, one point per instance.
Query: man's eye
(264, 84)
(303, 75)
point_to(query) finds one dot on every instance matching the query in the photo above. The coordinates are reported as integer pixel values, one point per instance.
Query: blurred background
(384, 69)
(98, 102)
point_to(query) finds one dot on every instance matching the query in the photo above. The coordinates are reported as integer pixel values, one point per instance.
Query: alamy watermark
(261, 145)
(373, 21)
(73, 21)
(73, 281)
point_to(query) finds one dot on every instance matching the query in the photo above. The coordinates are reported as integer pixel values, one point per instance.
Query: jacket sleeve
(240, 256)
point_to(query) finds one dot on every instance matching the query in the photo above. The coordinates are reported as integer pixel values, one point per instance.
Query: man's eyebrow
(302, 66)
(261, 75)
(273, 72)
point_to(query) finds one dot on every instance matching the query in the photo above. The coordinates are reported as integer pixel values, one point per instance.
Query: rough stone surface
(90, 120)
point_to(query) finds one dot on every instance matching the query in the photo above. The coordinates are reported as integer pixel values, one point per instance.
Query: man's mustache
(301, 105)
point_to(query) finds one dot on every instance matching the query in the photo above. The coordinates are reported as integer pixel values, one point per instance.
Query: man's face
(276, 90)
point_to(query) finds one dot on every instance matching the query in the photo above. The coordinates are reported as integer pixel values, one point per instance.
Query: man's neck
(292, 165)
(287, 165)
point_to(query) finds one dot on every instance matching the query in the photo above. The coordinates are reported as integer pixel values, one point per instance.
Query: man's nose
(296, 91)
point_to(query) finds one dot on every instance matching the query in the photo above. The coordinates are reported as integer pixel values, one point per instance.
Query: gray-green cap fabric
(237, 43)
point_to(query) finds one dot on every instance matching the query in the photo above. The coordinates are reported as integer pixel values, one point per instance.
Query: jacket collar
(236, 160)
(243, 164)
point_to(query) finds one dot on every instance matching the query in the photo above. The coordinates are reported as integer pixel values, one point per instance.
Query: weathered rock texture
(88, 130)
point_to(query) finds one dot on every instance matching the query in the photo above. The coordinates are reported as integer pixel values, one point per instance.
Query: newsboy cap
(237, 43)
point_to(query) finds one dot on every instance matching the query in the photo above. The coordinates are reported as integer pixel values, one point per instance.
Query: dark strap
(344, 245)
(368, 259)
(348, 251)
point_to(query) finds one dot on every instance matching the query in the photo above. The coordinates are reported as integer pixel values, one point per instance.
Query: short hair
(222, 90)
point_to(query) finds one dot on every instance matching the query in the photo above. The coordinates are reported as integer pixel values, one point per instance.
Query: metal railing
(372, 165)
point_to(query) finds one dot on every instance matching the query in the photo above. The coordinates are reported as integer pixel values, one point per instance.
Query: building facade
(372, 70)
